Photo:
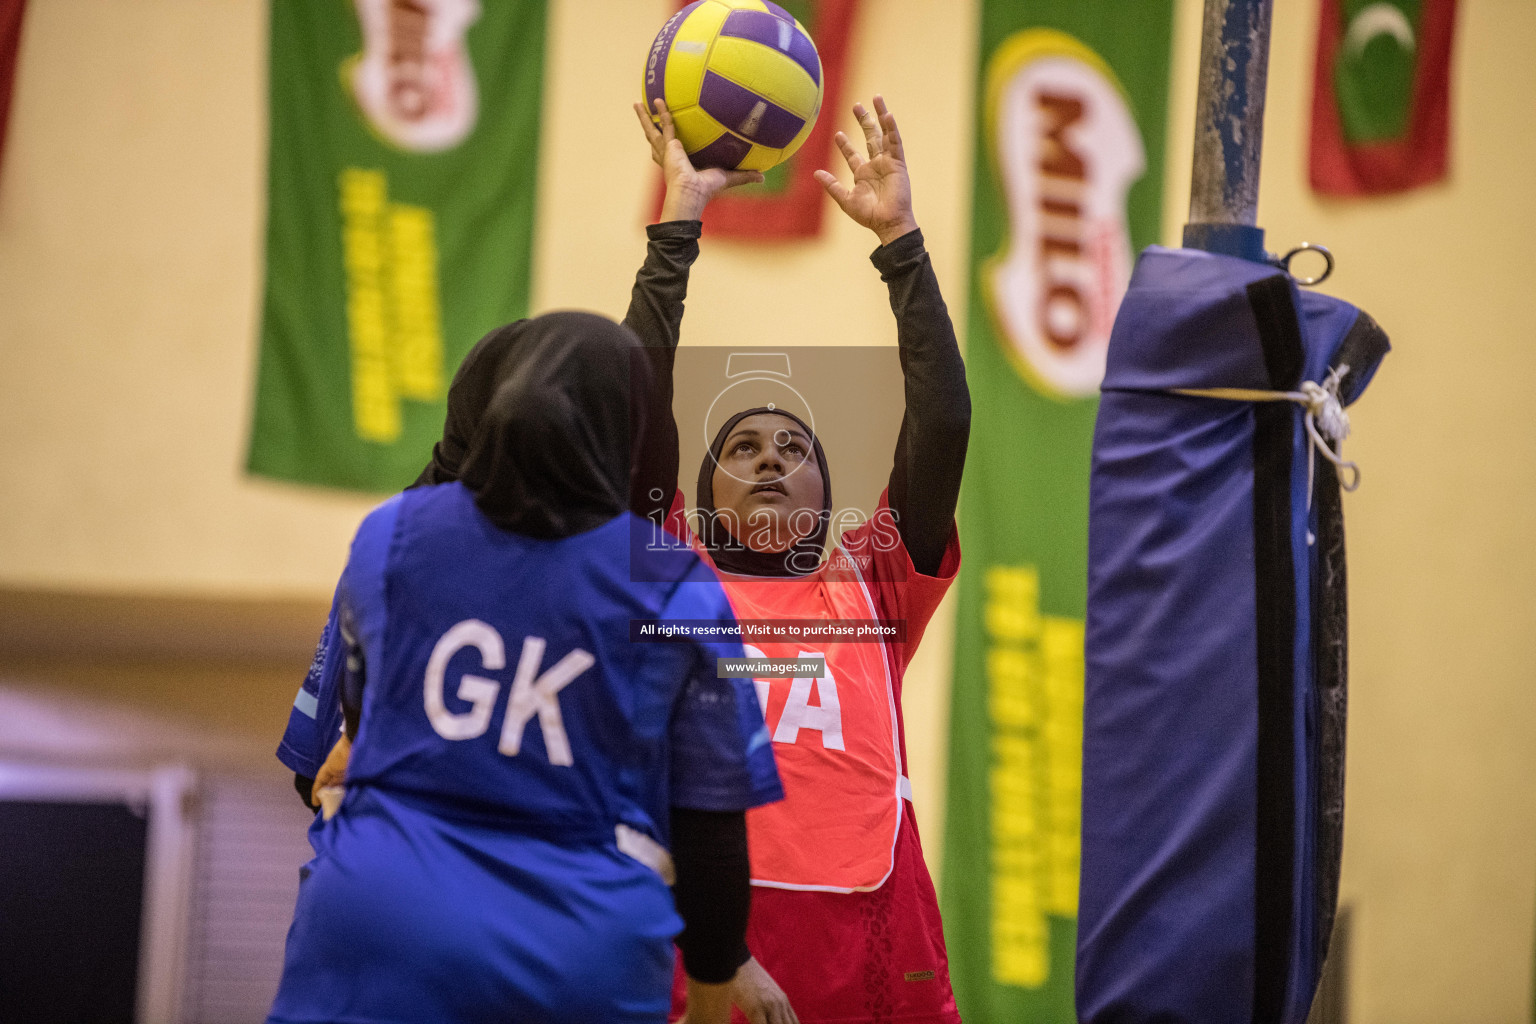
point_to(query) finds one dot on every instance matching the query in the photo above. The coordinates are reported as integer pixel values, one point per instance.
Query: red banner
(1381, 95)
(10, 43)
(788, 205)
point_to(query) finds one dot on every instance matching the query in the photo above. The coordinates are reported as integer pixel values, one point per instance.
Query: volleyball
(742, 79)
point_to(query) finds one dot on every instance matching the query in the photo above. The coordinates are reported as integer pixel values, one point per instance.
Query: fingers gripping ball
(742, 79)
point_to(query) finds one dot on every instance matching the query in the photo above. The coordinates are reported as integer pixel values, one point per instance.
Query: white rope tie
(1326, 421)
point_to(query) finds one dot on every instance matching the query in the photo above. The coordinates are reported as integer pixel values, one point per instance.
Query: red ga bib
(834, 738)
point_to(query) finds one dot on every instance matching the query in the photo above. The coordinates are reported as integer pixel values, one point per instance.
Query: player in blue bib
(525, 781)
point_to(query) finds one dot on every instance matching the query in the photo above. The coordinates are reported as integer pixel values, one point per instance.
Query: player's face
(767, 484)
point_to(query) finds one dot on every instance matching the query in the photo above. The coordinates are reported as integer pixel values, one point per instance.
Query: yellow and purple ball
(742, 79)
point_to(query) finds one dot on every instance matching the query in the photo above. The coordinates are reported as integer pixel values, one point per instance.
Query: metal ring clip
(1306, 282)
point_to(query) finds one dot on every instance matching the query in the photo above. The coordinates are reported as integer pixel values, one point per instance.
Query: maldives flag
(1381, 95)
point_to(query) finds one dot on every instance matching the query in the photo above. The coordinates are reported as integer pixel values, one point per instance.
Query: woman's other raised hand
(881, 195)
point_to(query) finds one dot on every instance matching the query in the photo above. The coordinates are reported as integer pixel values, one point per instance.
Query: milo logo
(414, 81)
(1066, 151)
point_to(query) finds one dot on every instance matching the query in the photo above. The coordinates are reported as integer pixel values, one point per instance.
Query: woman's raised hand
(688, 190)
(881, 196)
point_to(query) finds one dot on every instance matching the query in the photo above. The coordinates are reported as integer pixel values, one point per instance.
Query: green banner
(403, 160)
(1071, 107)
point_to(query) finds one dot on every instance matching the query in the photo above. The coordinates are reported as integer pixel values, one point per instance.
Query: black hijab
(540, 424)
(729, 554)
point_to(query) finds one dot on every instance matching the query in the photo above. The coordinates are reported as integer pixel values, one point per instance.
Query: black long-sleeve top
(924, 484)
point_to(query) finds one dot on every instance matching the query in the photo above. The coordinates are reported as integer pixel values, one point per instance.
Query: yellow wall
(130, 236)
(131, 205)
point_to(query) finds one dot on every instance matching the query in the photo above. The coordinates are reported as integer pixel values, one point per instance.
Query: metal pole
(1229, 129)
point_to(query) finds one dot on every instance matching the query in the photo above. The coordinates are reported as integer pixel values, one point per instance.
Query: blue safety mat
(1213, 745)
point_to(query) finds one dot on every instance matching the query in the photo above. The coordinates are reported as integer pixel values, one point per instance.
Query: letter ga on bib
(834, 739)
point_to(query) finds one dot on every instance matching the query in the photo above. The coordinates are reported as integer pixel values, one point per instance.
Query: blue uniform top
(508, 726)
(502, 680)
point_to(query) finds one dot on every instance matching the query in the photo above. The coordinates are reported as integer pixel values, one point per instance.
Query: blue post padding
(1173, 921)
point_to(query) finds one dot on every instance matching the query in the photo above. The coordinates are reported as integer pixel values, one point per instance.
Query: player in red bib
(844, 922)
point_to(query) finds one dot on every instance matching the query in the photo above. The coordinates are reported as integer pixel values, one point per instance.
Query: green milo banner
(404, 145)
(1071, 106)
